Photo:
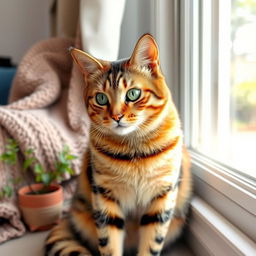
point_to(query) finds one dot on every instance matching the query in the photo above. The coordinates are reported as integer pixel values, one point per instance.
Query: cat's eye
(101, 99)
(133, 94)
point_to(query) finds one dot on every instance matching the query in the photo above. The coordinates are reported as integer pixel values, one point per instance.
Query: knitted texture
(45, 113)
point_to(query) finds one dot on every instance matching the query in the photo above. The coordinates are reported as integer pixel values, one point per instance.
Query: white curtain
(100, 22)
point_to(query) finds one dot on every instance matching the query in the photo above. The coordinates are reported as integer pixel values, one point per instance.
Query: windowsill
(31, 244)
(230, 197)
(211, 234)
(222, 220)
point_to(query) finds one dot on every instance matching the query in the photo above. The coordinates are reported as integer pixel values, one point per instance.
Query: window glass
(224, 107)
(243, 85)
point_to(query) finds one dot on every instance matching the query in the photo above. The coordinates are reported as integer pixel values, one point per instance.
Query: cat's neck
(136, 142)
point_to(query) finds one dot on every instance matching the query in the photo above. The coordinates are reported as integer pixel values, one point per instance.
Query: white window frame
(230, 195)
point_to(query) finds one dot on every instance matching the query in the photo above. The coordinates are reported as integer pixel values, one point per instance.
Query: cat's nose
(117, 117)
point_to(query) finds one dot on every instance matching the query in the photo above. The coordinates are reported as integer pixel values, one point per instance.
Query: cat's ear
(86, 62)
(145, 52)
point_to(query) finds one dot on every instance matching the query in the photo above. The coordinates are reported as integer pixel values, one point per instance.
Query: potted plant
(41, 202)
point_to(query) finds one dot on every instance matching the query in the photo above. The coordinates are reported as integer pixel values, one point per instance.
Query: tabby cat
(132, 192)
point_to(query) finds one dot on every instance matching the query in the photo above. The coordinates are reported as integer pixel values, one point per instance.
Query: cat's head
(126, 96)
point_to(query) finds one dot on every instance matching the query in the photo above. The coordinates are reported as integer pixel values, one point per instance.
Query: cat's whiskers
(98, 133)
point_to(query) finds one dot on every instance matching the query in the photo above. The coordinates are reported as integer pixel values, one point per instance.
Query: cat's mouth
(120, 126)
(122, 129)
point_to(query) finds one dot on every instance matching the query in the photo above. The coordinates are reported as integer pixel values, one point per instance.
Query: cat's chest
(138, 191)
(136, 182)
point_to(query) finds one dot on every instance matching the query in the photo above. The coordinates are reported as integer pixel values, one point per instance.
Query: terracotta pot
(41, 211)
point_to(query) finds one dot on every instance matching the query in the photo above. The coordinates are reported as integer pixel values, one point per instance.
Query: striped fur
(131, 187)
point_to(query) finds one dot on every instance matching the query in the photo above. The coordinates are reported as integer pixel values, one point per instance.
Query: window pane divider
(224, 129)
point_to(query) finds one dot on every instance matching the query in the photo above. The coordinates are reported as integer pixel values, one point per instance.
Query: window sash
(210, 79)
(204, 85)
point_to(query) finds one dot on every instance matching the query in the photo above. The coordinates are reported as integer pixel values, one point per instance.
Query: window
(225, 128)
(217, 104)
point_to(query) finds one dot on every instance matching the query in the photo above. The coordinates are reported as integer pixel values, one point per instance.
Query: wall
(22, 23)
(136, 22)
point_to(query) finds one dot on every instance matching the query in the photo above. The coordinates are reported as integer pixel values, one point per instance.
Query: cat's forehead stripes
(116, 72)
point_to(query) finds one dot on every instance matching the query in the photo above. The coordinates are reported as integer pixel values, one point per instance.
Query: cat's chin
(122, 131)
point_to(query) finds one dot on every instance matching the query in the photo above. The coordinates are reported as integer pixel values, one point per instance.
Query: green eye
(133, 94)
(101, 99)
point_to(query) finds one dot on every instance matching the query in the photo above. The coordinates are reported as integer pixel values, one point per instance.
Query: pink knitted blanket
(46, 112)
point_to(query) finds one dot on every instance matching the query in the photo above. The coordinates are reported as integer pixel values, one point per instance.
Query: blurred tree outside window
(243, 84)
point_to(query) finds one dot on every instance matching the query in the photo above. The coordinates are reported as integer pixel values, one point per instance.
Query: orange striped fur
(132, 192)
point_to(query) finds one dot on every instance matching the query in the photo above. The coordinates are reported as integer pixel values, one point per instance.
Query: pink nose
(117, 117)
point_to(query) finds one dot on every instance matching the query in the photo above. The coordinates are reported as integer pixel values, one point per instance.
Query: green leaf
(12, 145)
(66, 148)
(64, 168)
(8, 191)
(46, 178)
(10, 155)
(38, 168)
(70, 171)
(71, 157)
(62, 157)
(28, 162)
(29, 151)
(12, 149)
(10, 158)
(16, 181)
(63, 165)
(38, 178)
